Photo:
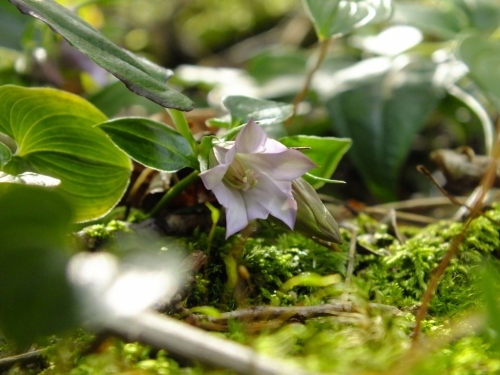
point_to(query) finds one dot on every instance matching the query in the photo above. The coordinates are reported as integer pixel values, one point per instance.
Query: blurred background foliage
(397, 88)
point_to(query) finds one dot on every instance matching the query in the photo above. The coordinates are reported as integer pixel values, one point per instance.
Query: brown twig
(486, 183)
(452, 198)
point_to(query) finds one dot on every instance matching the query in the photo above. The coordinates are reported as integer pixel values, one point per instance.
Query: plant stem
(183, 128)
(173, 192)
(323, 49)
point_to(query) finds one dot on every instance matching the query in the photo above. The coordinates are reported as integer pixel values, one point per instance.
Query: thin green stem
(174, 191)
(183, 128)
(323, 50)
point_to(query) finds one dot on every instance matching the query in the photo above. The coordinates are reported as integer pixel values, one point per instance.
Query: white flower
(252, 178)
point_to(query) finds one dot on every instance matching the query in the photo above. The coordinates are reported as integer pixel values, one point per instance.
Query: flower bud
(313, 218)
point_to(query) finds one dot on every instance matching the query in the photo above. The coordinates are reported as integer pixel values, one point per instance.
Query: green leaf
(320, 181)
(140, 75)
(441, 20)
(116, 97)
(482, 56)
(382, 112)
(482, 14)
(29, 178)
(206, 145)
(36, 297)
(55, 137)
(326, 152)
(12, 25)
(151, 143)
(333, 18)
(5, 154)
(268, 114)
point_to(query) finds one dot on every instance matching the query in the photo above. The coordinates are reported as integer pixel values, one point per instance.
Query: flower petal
(284, 166)
(220, 151)
(212, 177)
(251, 139)
(267, 196)
(236, 212)
(273, 147)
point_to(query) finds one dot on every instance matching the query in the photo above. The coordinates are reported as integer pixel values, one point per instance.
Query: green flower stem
(174, 191)
(183, 128)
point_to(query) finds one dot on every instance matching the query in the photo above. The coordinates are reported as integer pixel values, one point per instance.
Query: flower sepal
(313, 218)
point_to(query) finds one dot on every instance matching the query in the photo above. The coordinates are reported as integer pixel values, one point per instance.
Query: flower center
(240, 177)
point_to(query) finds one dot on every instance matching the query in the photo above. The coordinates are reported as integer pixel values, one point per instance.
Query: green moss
(273, 261)
(95, 235)
(469, 355)
(401, 278)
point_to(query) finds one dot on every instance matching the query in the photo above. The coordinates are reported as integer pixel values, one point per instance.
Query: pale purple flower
(252, 178)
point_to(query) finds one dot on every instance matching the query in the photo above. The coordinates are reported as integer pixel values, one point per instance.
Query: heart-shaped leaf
(482, 56)
(382, 112)
(140, 75)
(151, 143)
(36, 297)
(333, 18)
(55, 137)
(326, 152)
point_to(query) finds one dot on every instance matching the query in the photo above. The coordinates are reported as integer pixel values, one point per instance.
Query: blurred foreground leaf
(140, 75)
(55, 134)
(36, 297)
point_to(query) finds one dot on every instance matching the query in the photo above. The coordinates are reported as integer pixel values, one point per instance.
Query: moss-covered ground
(285, 269)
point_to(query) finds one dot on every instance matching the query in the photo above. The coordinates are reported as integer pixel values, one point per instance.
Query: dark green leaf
(5, 154)
(268, 114)
(483, 14)
(382, 113)
(36, 297)
(443, 21)
(12, 25)
(116, 97)
(482, 56)
(55, 137)
(140, 75)
(326, 152)
(333, 18)
(206, 146)
(151, 143)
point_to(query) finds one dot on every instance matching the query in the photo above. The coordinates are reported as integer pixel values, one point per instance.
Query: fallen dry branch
(36, 356)
(300, 313)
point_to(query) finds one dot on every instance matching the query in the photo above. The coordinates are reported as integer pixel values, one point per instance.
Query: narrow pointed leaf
(332, 18)
(140, 75)
(151, 143)
(55, 137)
